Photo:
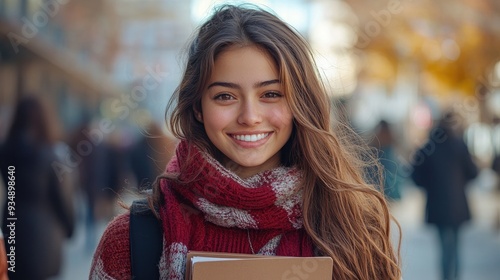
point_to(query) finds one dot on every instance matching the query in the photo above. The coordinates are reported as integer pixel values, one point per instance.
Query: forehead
(236, 62)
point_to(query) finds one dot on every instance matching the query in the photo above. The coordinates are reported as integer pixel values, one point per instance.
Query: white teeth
(251, 138)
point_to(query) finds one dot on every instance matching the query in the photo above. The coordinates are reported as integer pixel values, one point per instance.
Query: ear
(198, 115)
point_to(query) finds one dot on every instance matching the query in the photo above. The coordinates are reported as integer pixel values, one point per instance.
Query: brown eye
(223, 97)
(272, 94)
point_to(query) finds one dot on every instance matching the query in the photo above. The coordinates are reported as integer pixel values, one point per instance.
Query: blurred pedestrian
(99, 174)
(495, 166)
(386, 145)
(443, 167)
(496, 192)
(41, 207)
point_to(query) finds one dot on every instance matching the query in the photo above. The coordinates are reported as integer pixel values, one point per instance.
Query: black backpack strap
(146, 241)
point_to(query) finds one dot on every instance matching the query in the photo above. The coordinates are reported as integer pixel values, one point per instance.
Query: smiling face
(244, 110)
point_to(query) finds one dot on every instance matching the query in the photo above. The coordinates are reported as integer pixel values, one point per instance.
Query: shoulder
(112, 257)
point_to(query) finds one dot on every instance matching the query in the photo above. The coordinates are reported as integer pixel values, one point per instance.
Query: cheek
(214, 118)
(281, 118)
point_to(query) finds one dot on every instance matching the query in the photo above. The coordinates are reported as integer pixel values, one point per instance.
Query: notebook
(227, 266)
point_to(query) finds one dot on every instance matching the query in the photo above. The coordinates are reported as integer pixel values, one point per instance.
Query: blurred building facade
(80, 54)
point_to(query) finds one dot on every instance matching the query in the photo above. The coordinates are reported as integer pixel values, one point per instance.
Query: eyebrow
(236, 86)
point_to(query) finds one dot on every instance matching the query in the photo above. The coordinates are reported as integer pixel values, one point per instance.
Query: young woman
(260, 169)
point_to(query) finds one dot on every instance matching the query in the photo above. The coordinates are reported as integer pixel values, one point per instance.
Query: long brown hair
(346, 217)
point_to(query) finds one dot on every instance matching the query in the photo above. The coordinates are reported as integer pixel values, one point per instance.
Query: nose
(250, 113)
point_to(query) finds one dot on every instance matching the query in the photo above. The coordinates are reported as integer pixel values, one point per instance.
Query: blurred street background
(106, 70)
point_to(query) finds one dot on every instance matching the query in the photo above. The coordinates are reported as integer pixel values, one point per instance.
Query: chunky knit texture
(112, 257)
(211, 209)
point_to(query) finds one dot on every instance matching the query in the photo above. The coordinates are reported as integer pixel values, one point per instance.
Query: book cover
(227, 266)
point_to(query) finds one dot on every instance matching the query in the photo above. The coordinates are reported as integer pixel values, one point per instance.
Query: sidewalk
(78, 255)
(480, 242)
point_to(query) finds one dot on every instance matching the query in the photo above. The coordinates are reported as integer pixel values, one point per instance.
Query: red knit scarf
(215, 210)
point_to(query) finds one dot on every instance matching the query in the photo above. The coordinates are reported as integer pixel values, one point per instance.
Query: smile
(250, 138)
